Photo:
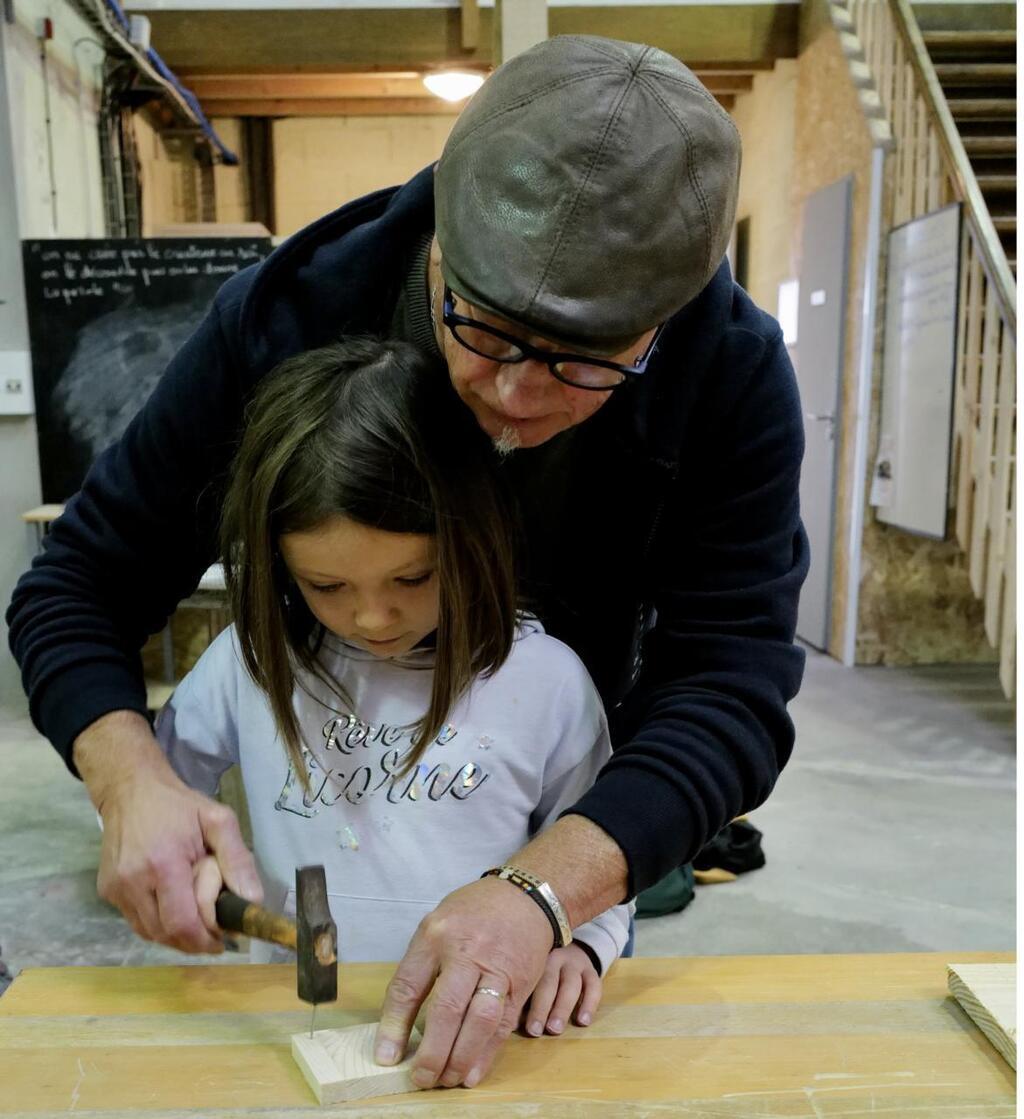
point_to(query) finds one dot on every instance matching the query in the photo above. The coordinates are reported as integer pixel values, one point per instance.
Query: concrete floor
(891, 830)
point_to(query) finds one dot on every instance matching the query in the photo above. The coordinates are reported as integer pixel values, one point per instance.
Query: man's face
(521, 404)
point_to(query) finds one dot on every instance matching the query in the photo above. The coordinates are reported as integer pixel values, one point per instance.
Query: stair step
(983, 108)
(991, 182)
(970, 42)
(990, 145)
(976, 73)
(1005, 223)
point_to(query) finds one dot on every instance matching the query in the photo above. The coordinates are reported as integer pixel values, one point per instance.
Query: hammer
(313, 936)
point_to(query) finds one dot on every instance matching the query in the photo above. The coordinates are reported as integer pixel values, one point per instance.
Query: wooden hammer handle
(235, 914)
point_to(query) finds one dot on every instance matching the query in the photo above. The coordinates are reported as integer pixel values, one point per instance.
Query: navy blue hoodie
(663, 535)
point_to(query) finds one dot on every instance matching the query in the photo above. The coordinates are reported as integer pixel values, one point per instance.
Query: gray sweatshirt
(519, 748)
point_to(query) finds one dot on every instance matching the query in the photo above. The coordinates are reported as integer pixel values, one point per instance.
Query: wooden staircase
(978, 74)
(942, 103)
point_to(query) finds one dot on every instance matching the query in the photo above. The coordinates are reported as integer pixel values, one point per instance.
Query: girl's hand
(569, 983)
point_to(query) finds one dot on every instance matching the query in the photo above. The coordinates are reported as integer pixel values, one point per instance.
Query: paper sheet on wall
(910, 486)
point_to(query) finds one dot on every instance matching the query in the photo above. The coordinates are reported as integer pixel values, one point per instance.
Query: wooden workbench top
(780, 1036)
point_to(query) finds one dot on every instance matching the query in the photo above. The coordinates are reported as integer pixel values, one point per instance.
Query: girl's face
(376, 589)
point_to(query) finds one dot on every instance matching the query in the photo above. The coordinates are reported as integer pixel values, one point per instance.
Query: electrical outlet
(15, 383)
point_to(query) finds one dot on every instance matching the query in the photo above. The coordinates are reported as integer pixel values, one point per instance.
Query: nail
(423, 1078)
(474, 1078)
(450, 1079)
(555, 1025)
(535, 1029)
(386, 1053)
(584, 1019)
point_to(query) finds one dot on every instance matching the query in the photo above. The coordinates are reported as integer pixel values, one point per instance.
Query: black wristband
(531, 892)
(594, 958)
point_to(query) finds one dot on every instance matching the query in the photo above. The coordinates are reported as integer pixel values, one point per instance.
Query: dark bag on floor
(671, 895)
(736, 848)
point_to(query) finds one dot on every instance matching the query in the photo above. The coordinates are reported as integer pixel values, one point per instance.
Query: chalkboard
(911, 480)
(105, 318)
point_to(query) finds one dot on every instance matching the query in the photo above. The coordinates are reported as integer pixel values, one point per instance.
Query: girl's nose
(374, 615)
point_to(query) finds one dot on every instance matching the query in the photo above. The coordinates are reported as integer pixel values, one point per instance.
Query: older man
(567, 260)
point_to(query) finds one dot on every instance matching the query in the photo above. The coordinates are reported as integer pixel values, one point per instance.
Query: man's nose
(523, 386)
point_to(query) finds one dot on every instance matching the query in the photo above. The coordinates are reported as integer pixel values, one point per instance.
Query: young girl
(394, 718)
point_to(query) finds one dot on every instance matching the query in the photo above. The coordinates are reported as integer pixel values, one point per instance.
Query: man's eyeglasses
(578, 370)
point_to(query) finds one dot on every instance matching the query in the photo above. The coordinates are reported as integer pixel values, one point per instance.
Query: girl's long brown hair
(372, 431)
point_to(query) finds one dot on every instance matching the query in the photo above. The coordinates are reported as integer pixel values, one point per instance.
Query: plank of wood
(999, 494)
(339, 1066)
(969, 400)
(726, 1036)
(984, 447)
(42, 514)
(988, 992)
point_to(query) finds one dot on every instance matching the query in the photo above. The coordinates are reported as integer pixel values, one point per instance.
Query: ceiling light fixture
(453, 85)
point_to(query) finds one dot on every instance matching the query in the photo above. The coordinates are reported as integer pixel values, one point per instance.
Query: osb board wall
(915, 604)
(766, 118)
(192, 631)
(168, 174)
(322, 162)
(230, 184)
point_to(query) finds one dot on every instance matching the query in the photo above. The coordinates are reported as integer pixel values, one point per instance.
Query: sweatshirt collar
(423, 656)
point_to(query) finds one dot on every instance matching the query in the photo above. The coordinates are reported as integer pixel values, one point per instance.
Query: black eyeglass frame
(549, 357)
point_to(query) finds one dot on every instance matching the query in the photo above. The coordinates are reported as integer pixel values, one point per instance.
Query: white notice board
(911, 480)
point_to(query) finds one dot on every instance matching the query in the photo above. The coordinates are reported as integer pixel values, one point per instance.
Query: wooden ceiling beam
(238, 87)
(234, 87)
(470, 24)
(333, 107)
(703, 67)
(741, 36)
(727, 83)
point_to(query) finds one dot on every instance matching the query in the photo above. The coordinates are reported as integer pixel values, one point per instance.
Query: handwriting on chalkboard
(106, 318)
(74, 275)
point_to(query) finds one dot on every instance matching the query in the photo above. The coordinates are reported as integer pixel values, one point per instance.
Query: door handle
(823, 417)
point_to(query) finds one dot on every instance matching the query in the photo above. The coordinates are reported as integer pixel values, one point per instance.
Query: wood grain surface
(988, 992)
(722, 1037)
(339, 1066)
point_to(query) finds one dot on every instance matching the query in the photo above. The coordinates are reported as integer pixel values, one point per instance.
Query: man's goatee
(507, 441)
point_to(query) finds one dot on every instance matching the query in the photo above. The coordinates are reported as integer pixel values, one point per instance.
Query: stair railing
(931, 170)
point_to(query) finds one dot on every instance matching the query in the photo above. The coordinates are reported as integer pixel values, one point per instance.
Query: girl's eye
(326, 588)
(415, 580)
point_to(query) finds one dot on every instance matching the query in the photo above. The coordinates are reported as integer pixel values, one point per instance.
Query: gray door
(819, 368)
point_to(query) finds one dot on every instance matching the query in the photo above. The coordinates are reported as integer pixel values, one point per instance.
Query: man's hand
(489, 935)
(155, 832)
(569, 988)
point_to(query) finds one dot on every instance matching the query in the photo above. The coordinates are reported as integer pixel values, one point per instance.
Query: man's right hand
(155, 831)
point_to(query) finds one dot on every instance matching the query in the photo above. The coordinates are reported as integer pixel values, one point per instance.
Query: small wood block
(988, 992)
(339, 1064)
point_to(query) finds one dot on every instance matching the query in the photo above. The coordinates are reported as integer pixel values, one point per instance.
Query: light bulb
(453, 85)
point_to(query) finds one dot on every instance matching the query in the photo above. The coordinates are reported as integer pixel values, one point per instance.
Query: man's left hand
(478, 956)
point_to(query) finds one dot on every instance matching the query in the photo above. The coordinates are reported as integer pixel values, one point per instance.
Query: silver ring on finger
(490, 991)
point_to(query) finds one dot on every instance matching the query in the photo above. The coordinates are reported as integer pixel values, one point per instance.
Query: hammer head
(317, 940)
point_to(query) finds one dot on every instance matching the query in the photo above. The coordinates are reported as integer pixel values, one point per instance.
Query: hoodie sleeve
(608, 932)
(198, 726)
(704, 733)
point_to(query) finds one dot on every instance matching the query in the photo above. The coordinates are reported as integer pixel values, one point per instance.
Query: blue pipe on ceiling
(187, 95)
